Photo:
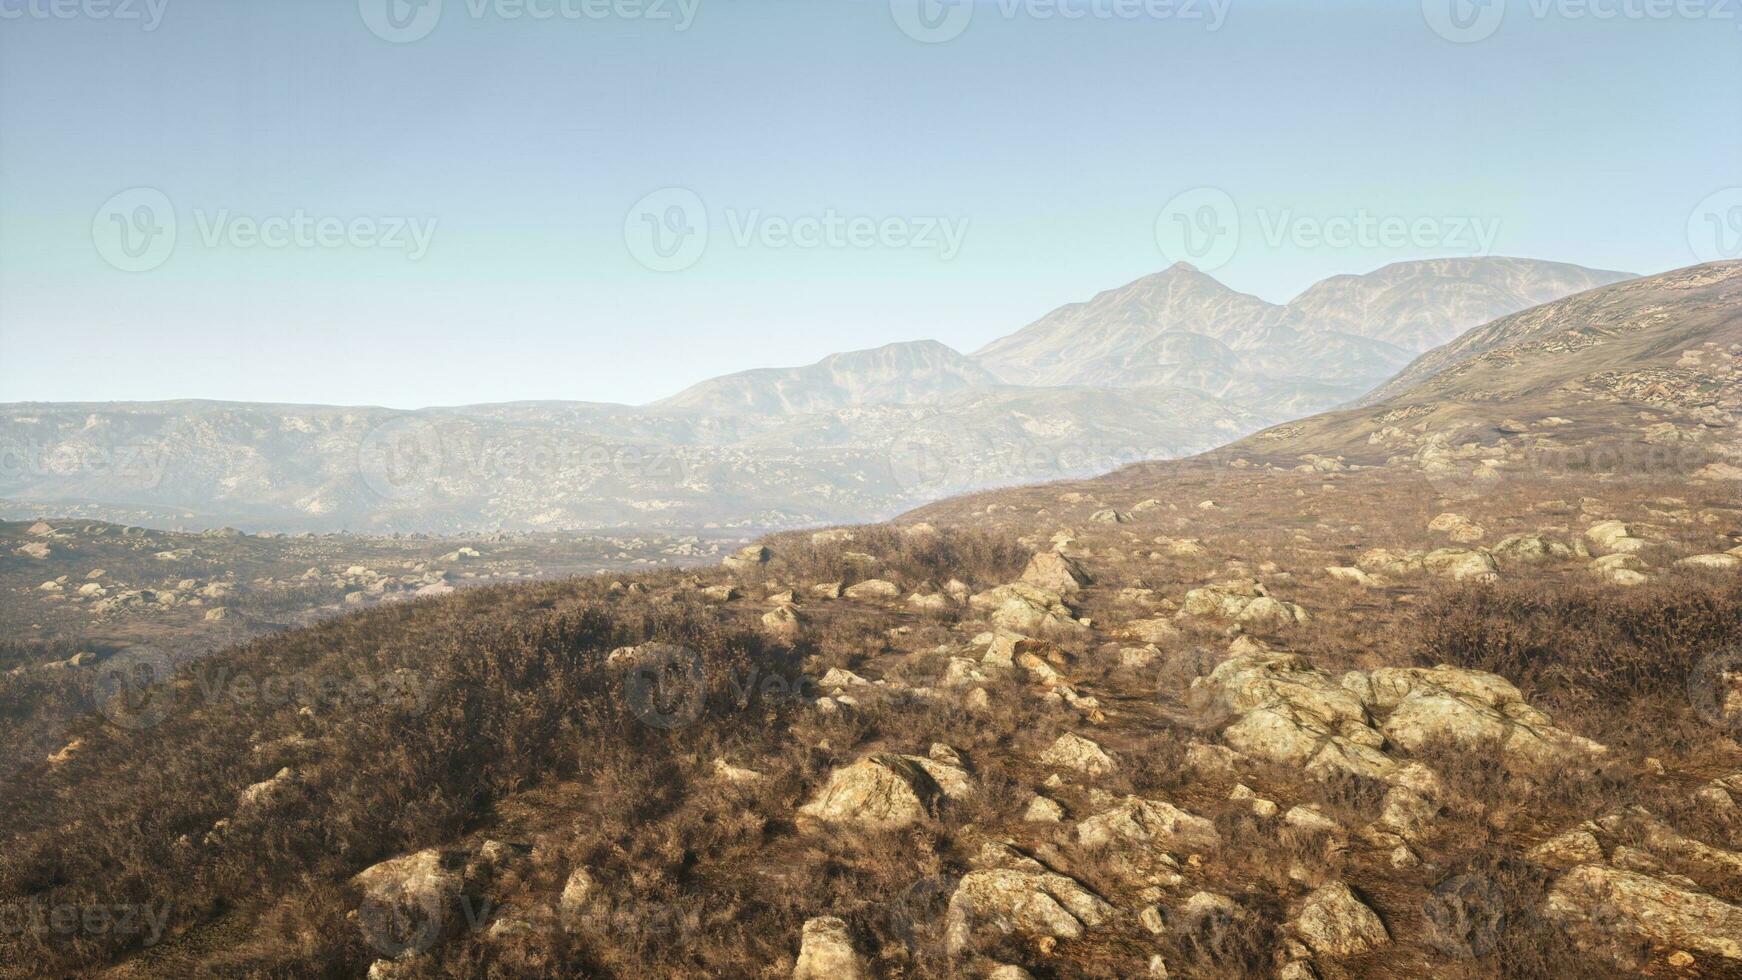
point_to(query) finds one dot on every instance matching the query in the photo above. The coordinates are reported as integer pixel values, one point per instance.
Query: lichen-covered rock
(873, 588)
(886, 791)
(1075, 752)
(1594, 903)
(1015, 894)
(1055, 572)
(1148, 824)
(1027, 609)
(1449, 706)
(826, 953)
(1335, 923)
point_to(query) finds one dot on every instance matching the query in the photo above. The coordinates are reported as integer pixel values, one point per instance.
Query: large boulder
(1054, 572)
(1028, 609)
(1461, 565)
(1015, 894)
(1452, 707)
(1244, 601)
(1614, 537)
(1593, 902)
(886, 791)
(409, 901)
(1286, 711)
(1333, 922)
(873, 588)
(1148, 824)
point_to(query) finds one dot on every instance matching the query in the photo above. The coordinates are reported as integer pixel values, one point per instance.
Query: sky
(378, 202)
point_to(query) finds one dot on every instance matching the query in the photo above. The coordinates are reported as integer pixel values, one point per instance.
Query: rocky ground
(1443, 686)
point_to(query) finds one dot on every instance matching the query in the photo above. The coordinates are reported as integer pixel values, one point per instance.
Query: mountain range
(1169, 365)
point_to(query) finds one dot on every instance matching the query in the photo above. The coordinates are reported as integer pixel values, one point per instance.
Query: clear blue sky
(528, 141)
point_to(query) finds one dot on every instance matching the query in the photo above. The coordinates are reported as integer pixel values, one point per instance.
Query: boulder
(1148, 824)
(409, 900)
(782, 623)
(1595, 903)
(886, 791)
(1461, 565)
(826, 953)
(1027, 609)
(873, 588)
(1614, 537)
(1013, 894)
(1077, 753)
(1722, 562)
(1054, 572)
(1530, 549)
(1333, 922)
(748, 558)
(1472, 709)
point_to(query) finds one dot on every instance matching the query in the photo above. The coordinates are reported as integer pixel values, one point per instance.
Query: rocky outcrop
(1013, 894)
(1028, 609)
(1594, 903)
(1242, 601)
(886, 791)
(1056, 573)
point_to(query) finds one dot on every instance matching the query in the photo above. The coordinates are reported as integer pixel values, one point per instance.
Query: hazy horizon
(463, 210)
